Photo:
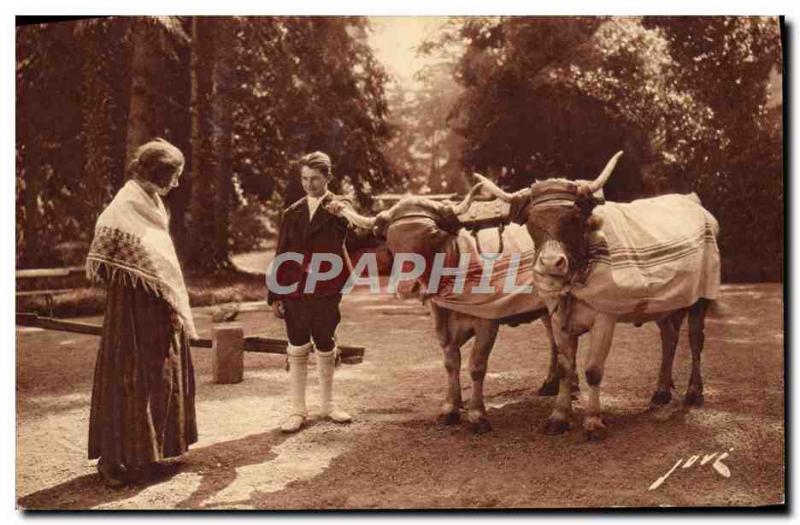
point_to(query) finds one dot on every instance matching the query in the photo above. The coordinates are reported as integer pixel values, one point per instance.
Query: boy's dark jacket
(324, 234)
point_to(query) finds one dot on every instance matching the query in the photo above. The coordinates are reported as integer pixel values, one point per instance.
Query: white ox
(649, 260)
(430, 229)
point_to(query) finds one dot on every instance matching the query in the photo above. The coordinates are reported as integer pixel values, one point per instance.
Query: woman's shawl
(132, 242)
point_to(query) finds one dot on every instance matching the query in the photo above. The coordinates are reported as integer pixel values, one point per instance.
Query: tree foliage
(425, 148)
(692, 101)
(266, 90)
(729, 63)
(685, 97)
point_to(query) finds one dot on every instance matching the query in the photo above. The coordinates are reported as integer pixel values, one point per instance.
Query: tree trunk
(30, 173)
(200, 92)
(143, 112)
(224, 76)
(97, 116)
(179, 116)
(211, 141)
(31, 246)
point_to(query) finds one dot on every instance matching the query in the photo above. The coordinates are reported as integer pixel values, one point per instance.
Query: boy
(307, 228)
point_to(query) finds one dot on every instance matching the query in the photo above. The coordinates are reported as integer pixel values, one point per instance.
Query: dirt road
(396, 456)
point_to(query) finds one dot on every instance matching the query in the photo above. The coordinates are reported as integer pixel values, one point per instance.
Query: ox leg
(697, 317)
(670, 328)
(559, 420)
(452, 333)
(550, 385)
(450, 414)
(602, 334)
(574, 389)
(485, 335)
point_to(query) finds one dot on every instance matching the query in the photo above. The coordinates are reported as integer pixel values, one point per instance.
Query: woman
(143, 396)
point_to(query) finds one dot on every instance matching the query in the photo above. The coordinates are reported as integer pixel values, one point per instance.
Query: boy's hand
(278, 309)
(335, 206)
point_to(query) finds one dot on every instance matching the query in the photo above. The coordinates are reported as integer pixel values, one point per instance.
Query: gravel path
(395, 455)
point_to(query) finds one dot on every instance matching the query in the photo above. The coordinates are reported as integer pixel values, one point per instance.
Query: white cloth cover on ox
(652, 255)
(516, 257)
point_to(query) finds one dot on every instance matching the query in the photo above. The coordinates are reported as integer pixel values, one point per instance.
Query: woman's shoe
(163, 469)
(113, 475)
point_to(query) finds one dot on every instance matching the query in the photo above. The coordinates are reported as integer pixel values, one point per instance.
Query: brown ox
(416, 225)
(561, 218)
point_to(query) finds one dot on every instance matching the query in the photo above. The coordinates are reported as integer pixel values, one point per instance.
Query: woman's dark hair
(156, 162)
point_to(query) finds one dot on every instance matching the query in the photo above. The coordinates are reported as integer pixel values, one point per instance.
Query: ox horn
(493, 189)
(598, 183)
(463, 206)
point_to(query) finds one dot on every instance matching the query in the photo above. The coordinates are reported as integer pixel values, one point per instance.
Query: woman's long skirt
(143, 395)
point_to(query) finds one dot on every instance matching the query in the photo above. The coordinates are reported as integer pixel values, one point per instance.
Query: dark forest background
(695, 102)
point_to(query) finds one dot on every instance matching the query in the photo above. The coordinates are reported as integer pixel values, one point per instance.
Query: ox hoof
(661, 397)
(596, 431)
(549, 388)
(481, 426)
(554, 427)
(693, 399)
(450, 418)
(575, 393)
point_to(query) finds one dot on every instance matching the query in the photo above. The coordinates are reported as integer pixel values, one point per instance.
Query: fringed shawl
(132, 243)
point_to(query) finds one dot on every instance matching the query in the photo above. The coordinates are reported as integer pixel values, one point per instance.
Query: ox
(593, 273)
(416, 225)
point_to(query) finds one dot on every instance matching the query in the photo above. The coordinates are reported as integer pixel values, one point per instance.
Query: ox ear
(586, 201)
(518, 212)
(599, 196)
(594, 222)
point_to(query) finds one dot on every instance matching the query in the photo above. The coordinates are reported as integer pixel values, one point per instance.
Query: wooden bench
(37, 273)
(45, 273)
(47, 294)
(227, 344)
